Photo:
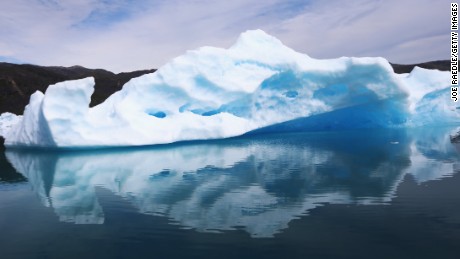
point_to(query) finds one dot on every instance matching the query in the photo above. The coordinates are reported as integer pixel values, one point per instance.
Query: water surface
(349, 194)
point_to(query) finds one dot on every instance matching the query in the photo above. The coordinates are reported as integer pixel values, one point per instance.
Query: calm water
(353, 194)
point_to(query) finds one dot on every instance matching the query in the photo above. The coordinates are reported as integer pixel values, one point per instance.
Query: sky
(126, 35)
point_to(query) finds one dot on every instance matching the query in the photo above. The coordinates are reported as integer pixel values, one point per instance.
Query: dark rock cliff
(18, 82)
(442, 65)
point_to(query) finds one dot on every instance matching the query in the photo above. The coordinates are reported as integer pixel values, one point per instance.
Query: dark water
(351, 194)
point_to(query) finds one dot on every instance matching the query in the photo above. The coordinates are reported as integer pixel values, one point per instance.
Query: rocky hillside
(443, 65)
(18, 82)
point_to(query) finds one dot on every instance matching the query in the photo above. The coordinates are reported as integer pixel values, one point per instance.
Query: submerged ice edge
(216, 187)
(214, 93)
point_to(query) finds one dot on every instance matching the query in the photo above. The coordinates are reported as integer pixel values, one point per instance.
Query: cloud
(124, 35)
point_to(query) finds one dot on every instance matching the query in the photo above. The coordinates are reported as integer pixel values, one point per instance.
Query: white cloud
(371, 28)
(126, 35)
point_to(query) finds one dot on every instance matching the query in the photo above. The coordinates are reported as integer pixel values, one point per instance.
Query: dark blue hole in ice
(158, 114)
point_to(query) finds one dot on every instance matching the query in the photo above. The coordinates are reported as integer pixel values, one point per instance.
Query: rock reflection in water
(257, 184)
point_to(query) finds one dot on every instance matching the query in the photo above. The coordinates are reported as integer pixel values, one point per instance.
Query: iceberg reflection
(258, 184)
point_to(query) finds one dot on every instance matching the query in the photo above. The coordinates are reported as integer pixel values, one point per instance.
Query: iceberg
(256, 85)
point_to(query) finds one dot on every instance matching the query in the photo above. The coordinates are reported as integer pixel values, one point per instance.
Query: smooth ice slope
(213, 93)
